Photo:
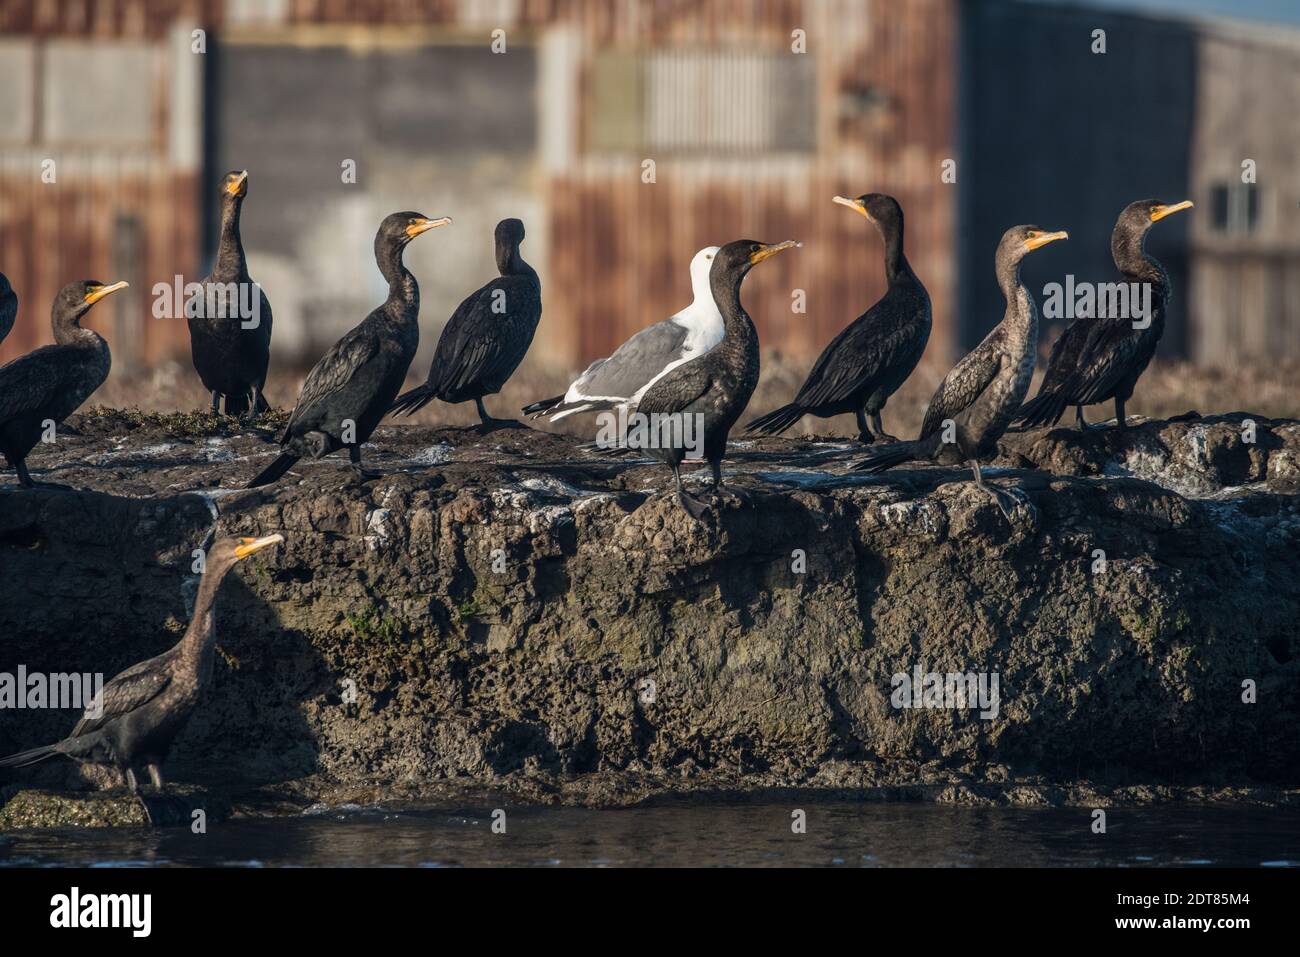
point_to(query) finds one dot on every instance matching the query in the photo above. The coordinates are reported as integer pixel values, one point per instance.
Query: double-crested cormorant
(137, 715)
(8, 306)
(705, 396)
(487, 336)
(231, 350)
(620, 380)
(48, 384)
(1097, 359)
(866, 363)
(350, 389)
(980, 396)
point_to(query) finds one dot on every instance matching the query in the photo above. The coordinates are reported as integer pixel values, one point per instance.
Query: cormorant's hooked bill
(762, 251)
(1159, 212)
(422, 225)
(236, 183)
(1037, 238)
(250, 546)
(96, 291)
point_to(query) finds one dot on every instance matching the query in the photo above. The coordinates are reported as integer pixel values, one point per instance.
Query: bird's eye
(708, 258)
(1033, 233)
(754, 248)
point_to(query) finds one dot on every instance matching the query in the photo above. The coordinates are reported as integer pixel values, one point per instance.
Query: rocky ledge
(511, 613)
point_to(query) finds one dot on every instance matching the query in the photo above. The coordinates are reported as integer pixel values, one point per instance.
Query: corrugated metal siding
(616, 250)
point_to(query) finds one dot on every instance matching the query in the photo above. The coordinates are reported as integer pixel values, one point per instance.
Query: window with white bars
(702, 102)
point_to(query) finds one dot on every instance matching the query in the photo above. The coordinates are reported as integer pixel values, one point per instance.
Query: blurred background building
(749, 138)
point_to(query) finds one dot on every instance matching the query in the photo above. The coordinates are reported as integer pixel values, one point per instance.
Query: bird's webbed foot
(363, 474)
(492, 425)
(694, 507)
(884, 438)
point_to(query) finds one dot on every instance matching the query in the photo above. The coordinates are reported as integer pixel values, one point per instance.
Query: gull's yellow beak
(1160, 212)
(1034, 240)
(853, 204)
(248, 546)
(424, 225)
(99, 292)
(236, 186)
(771, 250)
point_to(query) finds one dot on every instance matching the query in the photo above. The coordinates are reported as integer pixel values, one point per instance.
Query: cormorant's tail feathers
(23, 758)
(1046, 408)
(777, 421)
(282, 464)
(886, 457)
(414, 400)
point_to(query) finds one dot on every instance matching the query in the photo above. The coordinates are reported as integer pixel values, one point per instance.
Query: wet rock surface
(513, 613)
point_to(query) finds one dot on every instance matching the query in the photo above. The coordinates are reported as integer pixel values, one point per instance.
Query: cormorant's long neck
(230, 248)
(1128, 249)
(511, 263)
(896, 265)
(738, 328)
(201, 636)
(1021, 317)
(402, 287)
(68, 331)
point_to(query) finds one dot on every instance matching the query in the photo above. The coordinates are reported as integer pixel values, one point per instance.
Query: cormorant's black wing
(677, 389)
(479, 345)
(8, 306)
(1107, 357)
(334, 370)
(134, 687)
(31, 381)
(964, 384)
(864, 349)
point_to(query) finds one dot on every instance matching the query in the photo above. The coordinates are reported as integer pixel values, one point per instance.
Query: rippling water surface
(751, 835)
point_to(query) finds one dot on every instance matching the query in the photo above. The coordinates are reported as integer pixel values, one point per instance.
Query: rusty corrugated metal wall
(884, 122)
(882, 74)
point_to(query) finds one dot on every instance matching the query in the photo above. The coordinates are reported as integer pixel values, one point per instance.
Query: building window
(1234, 208)
(702, 102)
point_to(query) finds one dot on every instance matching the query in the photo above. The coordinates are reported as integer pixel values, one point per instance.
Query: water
(748, 835)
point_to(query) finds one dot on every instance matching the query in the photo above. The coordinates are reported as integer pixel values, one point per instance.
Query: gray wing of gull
(635, 362)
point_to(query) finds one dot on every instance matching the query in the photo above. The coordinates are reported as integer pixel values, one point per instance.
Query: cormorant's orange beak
(1035, 240)
(99, 292)
(1160, 212)
(248, 546)
(424, 225)
(236, 186)
(771, 250)
(853, 204)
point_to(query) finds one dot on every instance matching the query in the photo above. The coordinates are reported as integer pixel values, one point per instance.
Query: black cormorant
(705, 396)
(980, 396)
(866, 363)
(231, 350)
(487, 336)
(50, 383)
(137, 715)
(1097, 359)
(619, 381)
(350, 389)
(8, 306)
